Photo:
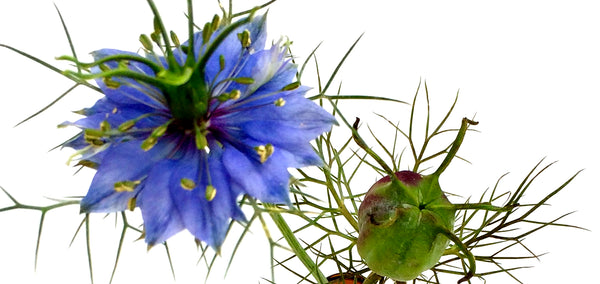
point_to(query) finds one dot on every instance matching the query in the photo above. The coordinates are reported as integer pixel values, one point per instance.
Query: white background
(529, 70)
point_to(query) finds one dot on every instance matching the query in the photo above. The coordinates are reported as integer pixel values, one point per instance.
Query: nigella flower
(184, 135)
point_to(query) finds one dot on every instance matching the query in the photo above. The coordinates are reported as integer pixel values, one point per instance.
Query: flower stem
(288, 234)
(454, 149)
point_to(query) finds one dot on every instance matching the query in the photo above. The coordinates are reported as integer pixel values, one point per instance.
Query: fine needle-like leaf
(339, 66)
(169, 259)
(119, 249)
(51, 67)
(305, 63)
(48, 106)
(62, 21)
(88, 246)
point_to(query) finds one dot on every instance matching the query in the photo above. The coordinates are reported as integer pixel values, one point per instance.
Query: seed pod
(402, 223)
(405, 221)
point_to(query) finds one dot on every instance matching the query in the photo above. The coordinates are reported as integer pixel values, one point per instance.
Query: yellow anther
(221, 62)
(110, 83)
(160, 130)
(149, 143)
(280, 102)
(264, 151)
(131, 203)
(200, 132)
(187, 184)
(244, 38)
(244, 80)
(93, 136)
(175, 39)
(207, 32)
(127, 125)
(216, 21)
(90, 133)
(155, 36)
(123, 64)
(235, 94)
(126, 185)
(210, 193)
(291, 86)
(104, 126)
(146, 43)
(88, 164)
(103, 67)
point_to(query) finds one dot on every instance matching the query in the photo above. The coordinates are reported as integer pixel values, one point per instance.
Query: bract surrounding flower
(182, 136)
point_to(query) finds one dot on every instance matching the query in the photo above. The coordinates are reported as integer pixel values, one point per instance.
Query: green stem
(461, 246)
(454, 149)
(117, 58)
(340, 203)
(119, 73)
(59, 71)
(190, 54)
(365, 147)
(288, 235)
(173, 65)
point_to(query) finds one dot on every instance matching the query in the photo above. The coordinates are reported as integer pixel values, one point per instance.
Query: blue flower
(184, 135)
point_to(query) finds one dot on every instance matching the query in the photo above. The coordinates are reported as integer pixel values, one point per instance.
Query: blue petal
(298, 121)
(258, 32)
(122, 162)
(206, 220)
(261, 66)
(118, 115)
(231, 50)
(266, 181)
(92, 154)
(161, 218)
(227, 196)
(301, 155)
(284, 76)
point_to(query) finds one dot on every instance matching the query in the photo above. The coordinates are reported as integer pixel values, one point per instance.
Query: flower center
(189, 101)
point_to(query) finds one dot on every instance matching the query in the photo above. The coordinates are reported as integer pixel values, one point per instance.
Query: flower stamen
(87, 164)
(110, 83)
(93, 136)
(200, 133)
(126, 185)
(148, 143)
(279, 102)
(210, 193)
(156, 133)
(187, 184)
(291, 86)
(264, 152)
(104, 126)
(131, 203)
(244, 38)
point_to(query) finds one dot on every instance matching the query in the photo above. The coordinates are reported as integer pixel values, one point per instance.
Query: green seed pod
(402, 225)
(405, 221)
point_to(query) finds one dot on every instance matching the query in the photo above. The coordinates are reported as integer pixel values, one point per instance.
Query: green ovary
(405, 249)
